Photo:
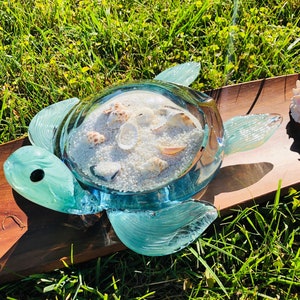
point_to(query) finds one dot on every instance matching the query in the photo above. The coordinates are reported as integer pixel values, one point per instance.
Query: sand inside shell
(121, 143)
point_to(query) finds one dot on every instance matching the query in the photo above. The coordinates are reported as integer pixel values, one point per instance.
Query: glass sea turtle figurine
(140, 151)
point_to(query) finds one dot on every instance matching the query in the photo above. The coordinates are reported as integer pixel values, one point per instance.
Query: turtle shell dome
(140, 137)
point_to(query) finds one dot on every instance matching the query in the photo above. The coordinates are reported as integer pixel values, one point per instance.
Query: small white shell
(127, 136)
(106, 171)
(143, 116)
(95, 137)
(153, 167)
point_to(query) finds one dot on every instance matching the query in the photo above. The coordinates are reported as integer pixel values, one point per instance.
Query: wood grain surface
(34, 239)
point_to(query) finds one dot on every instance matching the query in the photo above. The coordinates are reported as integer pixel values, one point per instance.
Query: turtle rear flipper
(165, 231)
(247, 132)
(43, 126)
(183, 74)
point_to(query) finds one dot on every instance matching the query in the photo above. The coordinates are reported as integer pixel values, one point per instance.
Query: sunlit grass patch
(53, 50)
(251, 254)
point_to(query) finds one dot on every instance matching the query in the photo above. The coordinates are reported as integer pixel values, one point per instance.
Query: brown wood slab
(254, 175)
(34, 239)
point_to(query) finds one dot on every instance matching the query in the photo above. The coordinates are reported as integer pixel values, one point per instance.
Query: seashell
(95, 137)
(117, 117)
(295, 103)
(127, 136)
(170, 150)
(173, 117)
(295, 108)
(296, 91)
(168, 110)
(180, 120)
(106, 171)
(118, 113)
(153, 167)
(115, 107)
(143, 116)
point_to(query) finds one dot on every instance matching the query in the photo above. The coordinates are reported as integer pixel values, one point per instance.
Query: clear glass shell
(143, 145)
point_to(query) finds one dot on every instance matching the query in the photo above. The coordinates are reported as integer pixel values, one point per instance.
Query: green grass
(57, 49)
(52, 50)
(252, 254)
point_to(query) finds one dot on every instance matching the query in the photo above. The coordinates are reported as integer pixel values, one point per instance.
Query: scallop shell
(153, 167)
(171, 150)
(106, 171)
(95, 137)
(127, 136)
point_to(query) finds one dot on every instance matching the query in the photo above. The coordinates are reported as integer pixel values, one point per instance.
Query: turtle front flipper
(43, 178)
(247, 132)
(183, 74)
(43, 126)
(165, 231)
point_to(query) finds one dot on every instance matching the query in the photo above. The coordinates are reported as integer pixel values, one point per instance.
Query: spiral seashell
(153, 167)
(115, 107)
(180, 120)
(127, 136)
(118, 113)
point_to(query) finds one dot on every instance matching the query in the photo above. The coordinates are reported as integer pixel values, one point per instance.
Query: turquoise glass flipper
(40, 176)
(183, 74)
(43, 126)
(162, 232)
(244, 133)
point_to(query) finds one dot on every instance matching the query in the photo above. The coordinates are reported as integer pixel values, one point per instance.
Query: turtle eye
(37, 175)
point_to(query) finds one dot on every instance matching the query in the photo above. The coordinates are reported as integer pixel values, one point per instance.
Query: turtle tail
(243, 133)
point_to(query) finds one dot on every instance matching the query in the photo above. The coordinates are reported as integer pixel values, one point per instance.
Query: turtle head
(43, 178)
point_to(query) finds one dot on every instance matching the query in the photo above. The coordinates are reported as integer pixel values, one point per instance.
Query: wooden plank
(254, 175)
(34, 239)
